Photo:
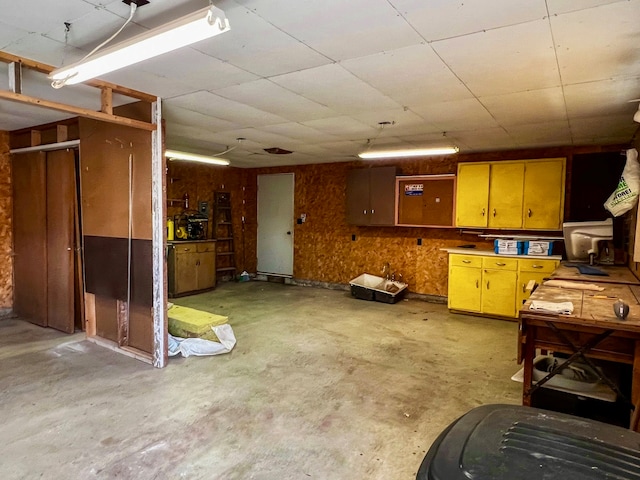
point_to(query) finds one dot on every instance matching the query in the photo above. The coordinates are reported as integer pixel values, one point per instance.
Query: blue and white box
(539, 248)
(507, 247)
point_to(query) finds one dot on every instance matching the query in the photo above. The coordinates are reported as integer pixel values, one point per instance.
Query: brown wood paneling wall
(6, 206)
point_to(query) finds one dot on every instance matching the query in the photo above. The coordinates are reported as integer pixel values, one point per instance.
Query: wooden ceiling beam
(47, 69)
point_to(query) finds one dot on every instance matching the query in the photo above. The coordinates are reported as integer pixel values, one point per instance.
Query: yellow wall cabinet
(523, 194)
(492, 284)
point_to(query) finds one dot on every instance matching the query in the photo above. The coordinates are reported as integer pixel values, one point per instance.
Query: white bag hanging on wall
(625, 196)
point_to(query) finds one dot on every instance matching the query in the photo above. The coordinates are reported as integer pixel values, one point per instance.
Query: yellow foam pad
(188, 322)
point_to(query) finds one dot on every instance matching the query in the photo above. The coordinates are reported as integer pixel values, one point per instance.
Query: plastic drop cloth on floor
(200, 346)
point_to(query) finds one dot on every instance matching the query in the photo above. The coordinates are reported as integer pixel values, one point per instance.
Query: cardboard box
(510, 247)
(540, 248)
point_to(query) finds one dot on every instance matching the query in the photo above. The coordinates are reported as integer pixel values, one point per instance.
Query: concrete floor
(320, 385)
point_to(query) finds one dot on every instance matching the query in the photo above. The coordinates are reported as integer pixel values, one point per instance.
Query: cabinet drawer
(500, 263)
(183, 248)
(465, 261)
(206, 247)
(536, 265)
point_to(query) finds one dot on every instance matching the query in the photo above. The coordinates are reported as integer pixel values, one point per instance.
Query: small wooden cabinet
(191, 267)
(425, 200)
(371, 196)
(494, 284)
(521, 194)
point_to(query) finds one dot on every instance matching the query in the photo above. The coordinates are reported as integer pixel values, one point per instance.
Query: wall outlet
(203, 207)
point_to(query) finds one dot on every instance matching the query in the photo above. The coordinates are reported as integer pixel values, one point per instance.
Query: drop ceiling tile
(10, 34)
(335, 87)
(181, 116)
(598, 43)
(506, 60)
(38, 47)
(446, 19)
(256, 46)
(300, 132)
(541, 134)
(563, 6)
(411, 76)
(535, 106)
(603, 130)
(197, 133)
(138, 79)
(209, 104)
(340, 29)
(196, 69)
(484, 139)
(270, 97)
(39, 18)
(605, 97)
(456, 115)
(342, 127)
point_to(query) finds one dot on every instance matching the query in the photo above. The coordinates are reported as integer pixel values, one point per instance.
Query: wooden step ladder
(223, 233)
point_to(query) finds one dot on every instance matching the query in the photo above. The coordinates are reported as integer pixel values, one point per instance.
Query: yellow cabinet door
(472, 194)
(464, 288)
(499, 292)
(523, 279)
(505, 195)
(544, 194)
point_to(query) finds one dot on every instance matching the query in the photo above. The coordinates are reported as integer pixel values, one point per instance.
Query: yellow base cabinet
(465, 277)
(499, 276)
(532, 269)
(493, 284)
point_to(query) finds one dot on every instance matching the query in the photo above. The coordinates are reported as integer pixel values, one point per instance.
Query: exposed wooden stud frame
(15, 77)
(47, 69)
(90, 314)
(106, 100)
(36, 138)
(82, 112)
(62, 133)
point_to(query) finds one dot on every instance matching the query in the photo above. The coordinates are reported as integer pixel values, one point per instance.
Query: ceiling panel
(506, 60)
(467, 114)
(255, 45)
(564, 6)
(339, 29)
(40, 18)
(10, 34)
(217, 106)
(446, 19)
(411, 76)
(534, 106)
(301, 132)
(336, 88)
(605, 97)
(343, 127)
(181, 116)
(541, 134)
(598, 43)
(270, 97)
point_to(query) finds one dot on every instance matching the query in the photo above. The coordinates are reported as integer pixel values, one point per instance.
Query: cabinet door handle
(466, 261)
(537, 266)
(500, 264)
(364, 212)
(373, 211)
(187, 249)
(494, 212)
(477, 284)
(524, 288)
(529, 212)
(487, 284)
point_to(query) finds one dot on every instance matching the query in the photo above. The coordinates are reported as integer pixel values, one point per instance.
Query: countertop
(491, 253)
(178, 242)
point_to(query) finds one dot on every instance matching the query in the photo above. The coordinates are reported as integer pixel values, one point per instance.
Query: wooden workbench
(592, 316)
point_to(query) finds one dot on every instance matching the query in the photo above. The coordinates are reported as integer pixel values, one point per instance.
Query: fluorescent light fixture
(197, 26)
(192, 157)
(418, 152)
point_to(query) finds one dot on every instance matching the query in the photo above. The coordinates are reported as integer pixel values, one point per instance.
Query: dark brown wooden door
(30, 237)
(358, 197)
(61, 188)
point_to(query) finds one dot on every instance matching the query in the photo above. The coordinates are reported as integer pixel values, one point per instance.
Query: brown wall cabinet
(425, 200)
(371, 196)
(191, 267)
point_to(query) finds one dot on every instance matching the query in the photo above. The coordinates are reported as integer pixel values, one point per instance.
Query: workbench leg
(635, 387)
(529, 354)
